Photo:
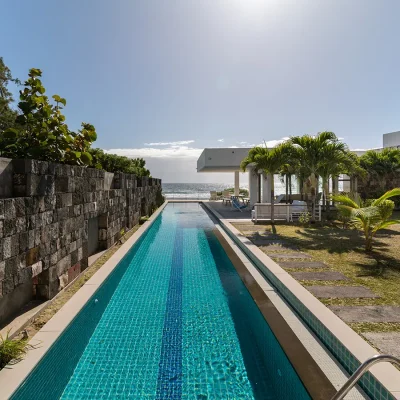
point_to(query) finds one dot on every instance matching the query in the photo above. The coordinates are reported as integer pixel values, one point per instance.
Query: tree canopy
(38, 129)
(7, 113)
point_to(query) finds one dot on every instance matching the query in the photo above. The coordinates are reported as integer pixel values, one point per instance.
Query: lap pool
(172, 321)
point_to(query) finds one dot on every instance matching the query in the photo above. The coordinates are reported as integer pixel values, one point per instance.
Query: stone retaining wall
(44, 226)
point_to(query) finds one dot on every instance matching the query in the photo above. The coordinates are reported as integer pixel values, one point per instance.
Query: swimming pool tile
(173, 320)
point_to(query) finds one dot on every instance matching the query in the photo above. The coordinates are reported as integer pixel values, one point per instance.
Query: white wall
(391, 139)
(221, 159)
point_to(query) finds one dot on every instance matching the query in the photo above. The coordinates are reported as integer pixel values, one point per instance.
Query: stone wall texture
(44, 226)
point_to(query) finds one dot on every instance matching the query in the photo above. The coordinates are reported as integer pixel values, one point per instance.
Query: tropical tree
(7, 114)
(115, 163)
(270, 161)
(254, 158)
(335, 159)
(289, 168)
(310, 153)
(42, 133)
(369, 219)
(381, 168)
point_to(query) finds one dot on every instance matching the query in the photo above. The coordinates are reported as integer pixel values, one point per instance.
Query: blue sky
(194, 74)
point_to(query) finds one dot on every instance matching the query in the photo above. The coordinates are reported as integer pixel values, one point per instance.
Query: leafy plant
(313, 156)
(304, 218)
(12, 349)
(143, 219)
(43, 133)
(7, 114)
(115, 163)
(371, 218)
(381, 168)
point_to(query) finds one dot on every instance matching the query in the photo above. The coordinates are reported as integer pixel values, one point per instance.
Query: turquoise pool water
(173, 321)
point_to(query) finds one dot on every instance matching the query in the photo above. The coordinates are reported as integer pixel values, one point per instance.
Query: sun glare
(253, 9)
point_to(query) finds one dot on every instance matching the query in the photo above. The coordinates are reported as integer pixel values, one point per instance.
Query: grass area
(46, 314)
(343, 251)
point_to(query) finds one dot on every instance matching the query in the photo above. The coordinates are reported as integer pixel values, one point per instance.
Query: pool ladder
(361, 370)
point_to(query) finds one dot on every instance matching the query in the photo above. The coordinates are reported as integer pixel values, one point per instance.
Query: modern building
(229, 159)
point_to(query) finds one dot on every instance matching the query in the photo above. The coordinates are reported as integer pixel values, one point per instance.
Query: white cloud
(274, 143)
(173, 151)
(178, 143)
(220, 140)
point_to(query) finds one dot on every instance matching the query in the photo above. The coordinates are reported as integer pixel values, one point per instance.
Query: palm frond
(386, 224)
(344, 200)
(387, 195)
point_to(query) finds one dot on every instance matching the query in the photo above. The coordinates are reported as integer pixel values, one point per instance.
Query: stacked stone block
(44, 227)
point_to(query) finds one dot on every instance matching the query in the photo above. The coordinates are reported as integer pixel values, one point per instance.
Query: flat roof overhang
(221, 159)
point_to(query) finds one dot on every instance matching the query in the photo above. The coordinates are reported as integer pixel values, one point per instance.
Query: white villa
(229, 159)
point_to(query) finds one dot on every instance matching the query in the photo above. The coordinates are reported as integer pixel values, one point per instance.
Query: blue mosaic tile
(172, 321)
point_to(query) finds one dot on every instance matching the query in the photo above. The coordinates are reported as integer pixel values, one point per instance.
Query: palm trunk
(314, 189)
(272, 198)
(368, 243)
(287, 189)
(325, 185)
(290, 188)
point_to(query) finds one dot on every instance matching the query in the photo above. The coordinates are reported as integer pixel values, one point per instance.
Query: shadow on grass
(342, 241)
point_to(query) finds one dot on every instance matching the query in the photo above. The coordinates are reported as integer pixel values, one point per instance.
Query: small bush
(12, 349)
(41, 132)
(143, 219)
(243, 192)
(115, 163)
(304, 218)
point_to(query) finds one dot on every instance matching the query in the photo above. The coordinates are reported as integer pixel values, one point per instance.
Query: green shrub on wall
(41, 131)
(38, 130)
(114, 163)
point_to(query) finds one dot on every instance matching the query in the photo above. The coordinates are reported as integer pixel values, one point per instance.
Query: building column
(253, 186)
(236, 189)
(266, 188)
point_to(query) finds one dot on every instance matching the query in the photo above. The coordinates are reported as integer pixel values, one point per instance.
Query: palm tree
(368, 219)
(270, 161)
(310, 153)
(254, 158)
(288, 169)
(380, 166)
(336, 159)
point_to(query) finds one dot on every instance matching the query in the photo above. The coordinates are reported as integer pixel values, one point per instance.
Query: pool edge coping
(314, 379)
(386, 374)
(11, 377)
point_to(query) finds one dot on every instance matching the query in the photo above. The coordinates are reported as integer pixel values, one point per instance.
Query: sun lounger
(236, 204)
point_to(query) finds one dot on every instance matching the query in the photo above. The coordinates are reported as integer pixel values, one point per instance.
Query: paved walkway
(303, 268)
(229, 213)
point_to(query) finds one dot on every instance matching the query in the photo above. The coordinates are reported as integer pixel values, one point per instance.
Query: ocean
(201, 191)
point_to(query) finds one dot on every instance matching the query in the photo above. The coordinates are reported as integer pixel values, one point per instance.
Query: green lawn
(343, 251)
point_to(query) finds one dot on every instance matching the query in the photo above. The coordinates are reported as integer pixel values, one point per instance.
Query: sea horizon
(179, 190)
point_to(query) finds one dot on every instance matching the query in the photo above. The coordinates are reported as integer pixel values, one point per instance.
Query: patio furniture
(236, 204)
(263, 211)
(226, 197)
(214, 195)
